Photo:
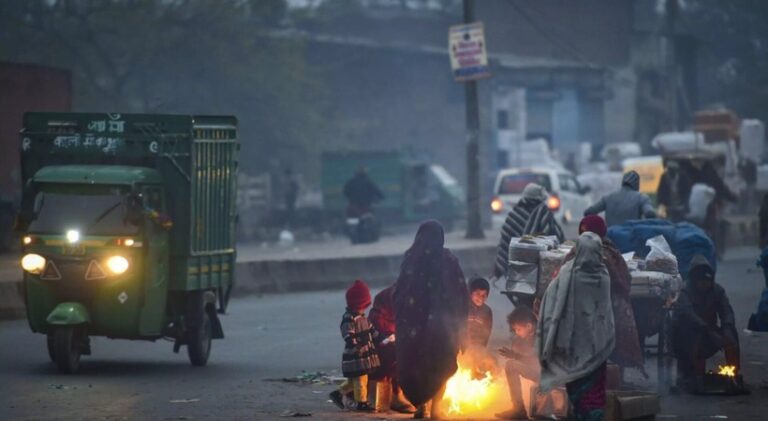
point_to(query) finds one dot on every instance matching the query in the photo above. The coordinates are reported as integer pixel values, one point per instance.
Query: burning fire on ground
(727, 370)
(469, 392)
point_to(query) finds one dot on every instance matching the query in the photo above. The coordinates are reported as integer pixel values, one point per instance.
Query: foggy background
(307, 76)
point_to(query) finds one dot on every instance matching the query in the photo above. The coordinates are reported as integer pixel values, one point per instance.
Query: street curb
(283, 276)
(338, 273)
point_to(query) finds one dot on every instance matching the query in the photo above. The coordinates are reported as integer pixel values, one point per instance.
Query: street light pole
(474, 222)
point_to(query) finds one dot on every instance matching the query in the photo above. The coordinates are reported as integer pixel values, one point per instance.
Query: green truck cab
(413, 189)
(128, 227)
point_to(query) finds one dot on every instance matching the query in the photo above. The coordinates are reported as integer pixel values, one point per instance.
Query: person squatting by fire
(696, 333)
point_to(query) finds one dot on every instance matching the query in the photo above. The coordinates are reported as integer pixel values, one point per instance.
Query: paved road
(274, 336)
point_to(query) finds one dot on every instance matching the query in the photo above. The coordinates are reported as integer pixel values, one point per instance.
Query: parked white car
(568, 199)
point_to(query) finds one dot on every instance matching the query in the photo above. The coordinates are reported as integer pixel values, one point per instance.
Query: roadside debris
(290, 413)
(61, 387)
(310, 377)
(184, 400)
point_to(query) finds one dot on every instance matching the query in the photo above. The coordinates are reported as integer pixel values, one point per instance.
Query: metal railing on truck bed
(195, 155)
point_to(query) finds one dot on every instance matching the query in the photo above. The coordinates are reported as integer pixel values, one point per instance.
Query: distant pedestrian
(529, 216)
(674, 191)
(431, 305)
(627, 204)
(361, 193)
(291, 194)
(359, 358)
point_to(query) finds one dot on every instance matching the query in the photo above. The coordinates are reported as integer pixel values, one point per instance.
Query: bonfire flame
(465, 393)
(727, 370)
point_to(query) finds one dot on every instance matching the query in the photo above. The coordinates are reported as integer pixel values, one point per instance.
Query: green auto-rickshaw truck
(128, 225)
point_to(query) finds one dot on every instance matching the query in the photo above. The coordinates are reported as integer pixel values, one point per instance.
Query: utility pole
(671, 12)
(474, 221)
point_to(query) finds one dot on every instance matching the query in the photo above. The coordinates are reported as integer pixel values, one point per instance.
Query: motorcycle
(362, 225)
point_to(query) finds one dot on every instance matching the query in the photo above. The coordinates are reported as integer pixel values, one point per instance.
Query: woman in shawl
(431, 305)
(627, 352)
(529, 216)
(576, 332)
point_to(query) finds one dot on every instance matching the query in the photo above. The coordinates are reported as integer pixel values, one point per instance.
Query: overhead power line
(553, 39)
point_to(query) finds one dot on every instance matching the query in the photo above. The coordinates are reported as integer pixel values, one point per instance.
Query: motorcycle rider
(361, 193)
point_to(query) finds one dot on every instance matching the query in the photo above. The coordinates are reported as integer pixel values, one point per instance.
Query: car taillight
(553, 203)
(497, 205)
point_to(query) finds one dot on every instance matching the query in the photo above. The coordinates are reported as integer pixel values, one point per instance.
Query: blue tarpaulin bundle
(685, 239)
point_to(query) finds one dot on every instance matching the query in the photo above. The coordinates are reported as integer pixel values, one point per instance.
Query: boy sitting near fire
(480, 318)
(522, 360)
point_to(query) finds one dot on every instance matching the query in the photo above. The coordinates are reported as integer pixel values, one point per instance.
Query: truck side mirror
(134, 209)
(22, 221)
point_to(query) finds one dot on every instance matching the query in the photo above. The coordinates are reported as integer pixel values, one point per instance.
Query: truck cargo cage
(196, 156)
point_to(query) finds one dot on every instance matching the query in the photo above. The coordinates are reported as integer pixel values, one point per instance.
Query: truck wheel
(49, 339)
(67, 348)
(199, 342)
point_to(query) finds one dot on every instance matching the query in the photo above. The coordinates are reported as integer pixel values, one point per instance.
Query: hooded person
(627, 352)
(431, 305)
(696, 333)
(624, 205)
(529, 216)
(576, 332)
(359, 358)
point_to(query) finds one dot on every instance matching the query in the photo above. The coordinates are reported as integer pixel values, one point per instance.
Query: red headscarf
(595, 224)
(383, 313)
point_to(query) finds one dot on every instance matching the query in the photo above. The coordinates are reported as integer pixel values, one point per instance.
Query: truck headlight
(117, 264)
(33, 263)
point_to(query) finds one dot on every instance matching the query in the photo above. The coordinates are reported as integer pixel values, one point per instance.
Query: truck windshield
(90, 214)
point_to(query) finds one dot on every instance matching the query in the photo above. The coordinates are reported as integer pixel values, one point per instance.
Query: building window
(502, 119)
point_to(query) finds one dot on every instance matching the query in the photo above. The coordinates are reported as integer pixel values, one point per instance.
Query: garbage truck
(128, 229)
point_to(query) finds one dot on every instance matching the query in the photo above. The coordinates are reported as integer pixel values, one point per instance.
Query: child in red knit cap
(359, 358)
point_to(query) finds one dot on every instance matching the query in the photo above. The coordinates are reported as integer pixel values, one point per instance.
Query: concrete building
(562, 70)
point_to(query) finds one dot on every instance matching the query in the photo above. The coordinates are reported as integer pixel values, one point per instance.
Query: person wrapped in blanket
(576, 332)
(431, 304)
(703, 323)
(531, 215)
